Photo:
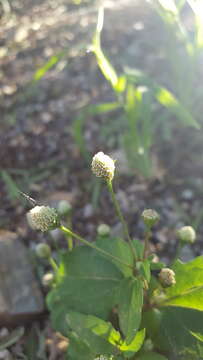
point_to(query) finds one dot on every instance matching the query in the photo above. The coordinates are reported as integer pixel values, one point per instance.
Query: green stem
(69, 237)
(93, 246)
(53, 264)
(178, 250)
(120, 216)
(147, 238)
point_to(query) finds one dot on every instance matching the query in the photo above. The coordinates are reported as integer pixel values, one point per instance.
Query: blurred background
(81, 76)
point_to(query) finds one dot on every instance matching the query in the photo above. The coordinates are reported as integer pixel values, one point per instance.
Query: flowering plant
(112, 299)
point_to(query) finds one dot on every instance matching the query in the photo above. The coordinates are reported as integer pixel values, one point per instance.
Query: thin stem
(53, 264)
(147, 238)
(120, 216)
(69, 237)
(93, 246)
(178, 251)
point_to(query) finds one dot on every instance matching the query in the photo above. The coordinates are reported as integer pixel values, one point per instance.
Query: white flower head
(187, 234)
(43, 218)
(167, 277)
(103, 166)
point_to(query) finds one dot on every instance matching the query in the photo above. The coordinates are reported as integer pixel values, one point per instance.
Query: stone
(21, 299)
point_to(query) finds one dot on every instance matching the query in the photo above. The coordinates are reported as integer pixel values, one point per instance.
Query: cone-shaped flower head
(103, 166)
(150, 217)
(43, 251)
(187, 234)
(43, 218)
(167, 277)
(103, 230)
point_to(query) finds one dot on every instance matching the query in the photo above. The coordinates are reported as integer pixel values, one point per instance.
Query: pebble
(5, 355)
(187, 194)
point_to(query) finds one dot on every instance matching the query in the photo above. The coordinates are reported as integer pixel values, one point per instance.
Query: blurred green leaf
(12, 338)
(102, 61)
(48, 65)
(198, 336)
(11, 186)
(176, 323)
(130, 307)
(151, 356)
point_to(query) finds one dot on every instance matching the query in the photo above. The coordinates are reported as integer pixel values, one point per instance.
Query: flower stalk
(120, 216)
(93, 246)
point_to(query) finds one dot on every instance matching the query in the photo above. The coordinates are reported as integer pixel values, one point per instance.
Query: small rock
(187, 194)
(3, 332)
(20, 296)
(88, 210)
(5, 355)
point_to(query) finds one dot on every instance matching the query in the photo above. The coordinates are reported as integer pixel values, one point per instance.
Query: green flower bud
(103, 166)
(148, 345)
(167, 277)
(150, 217)
(43, 251)
(64, 207)
(103, 230)
(186, 234)
(48, 279)
(43, 218)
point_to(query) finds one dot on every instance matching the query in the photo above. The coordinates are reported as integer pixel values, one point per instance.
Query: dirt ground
(37, 147)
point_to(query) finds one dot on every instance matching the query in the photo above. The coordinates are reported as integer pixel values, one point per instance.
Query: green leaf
(151, 356)
(87, 283)
(78, 349)
(167, 99)
(163, 96)
(120, 249)
(176, 323)
(130, 307)
(188, 290)
(145, 269)
(135, 345)
(48, 65)
(100, 336)
(198, 336)
(139, 247)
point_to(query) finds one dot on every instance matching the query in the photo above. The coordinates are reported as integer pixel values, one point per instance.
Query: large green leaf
(87, 283)
(100, 336)
(188, 290)
(163, 96)
(151, 356)
(175, 327)
(120, 249)
(130, 307)
(135, 345)
(78, 349)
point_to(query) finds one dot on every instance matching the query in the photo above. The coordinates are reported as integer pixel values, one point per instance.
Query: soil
(38, 151)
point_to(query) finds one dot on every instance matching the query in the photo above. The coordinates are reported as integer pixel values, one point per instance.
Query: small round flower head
(43, 251)
(167, 277)
(186, 234)
(43, 218)
(150, 217)
(103, 230)
(48, 279)
(103, 166)
(64, 207)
